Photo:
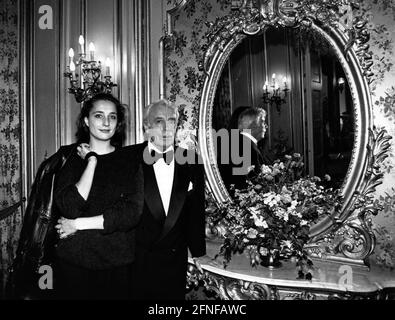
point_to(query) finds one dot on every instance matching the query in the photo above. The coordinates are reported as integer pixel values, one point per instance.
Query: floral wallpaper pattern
(10, 179)
(381, 16)
(184, 84)
(183, 50)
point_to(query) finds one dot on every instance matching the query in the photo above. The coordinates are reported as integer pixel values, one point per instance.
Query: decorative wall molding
(133, 53)
(26, 96)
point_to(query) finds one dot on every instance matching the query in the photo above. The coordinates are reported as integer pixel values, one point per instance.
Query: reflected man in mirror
(244, 147)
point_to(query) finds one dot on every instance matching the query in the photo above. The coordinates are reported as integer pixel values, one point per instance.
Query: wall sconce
(89, 81)
(273, 95)
(340, 84)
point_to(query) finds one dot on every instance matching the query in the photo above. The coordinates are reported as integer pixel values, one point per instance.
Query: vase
(215, 231)
(271, 260)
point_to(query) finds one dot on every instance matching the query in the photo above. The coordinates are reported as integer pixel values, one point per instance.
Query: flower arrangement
(271, 218)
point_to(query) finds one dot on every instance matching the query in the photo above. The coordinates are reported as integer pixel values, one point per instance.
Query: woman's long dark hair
(82, 134)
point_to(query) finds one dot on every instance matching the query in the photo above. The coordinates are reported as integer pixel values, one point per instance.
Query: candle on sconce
(92, 51)
(285, 82)
(273, 80)
(71, 55)
(72, 69)
(81, 41)
(266, 85)
(108, 64)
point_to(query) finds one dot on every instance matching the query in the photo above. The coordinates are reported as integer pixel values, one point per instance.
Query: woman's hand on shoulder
(83, 149)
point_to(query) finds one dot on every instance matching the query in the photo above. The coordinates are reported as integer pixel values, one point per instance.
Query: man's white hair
(150, 107)
(249, 116)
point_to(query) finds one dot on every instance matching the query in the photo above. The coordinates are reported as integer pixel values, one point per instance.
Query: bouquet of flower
(271, 218)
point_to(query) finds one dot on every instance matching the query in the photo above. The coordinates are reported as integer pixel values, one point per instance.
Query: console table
(240, 281)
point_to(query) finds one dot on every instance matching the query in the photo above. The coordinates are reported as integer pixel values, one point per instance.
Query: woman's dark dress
(95, 264)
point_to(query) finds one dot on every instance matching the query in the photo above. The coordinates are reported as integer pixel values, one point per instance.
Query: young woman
(98, 181)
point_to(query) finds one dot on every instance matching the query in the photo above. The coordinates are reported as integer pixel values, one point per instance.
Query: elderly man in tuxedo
(173, 218)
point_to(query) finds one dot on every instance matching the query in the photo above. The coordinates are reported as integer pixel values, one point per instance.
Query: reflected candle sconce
(340, 84)
(90, 80)
(274, 94)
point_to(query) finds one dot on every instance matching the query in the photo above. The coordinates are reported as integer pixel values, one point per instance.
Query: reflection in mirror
(295, 76)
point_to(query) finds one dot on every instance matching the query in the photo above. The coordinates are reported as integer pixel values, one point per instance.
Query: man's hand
(66, 227)
(207, 260)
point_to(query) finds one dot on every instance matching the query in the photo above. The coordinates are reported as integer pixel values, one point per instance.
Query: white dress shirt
(164, 174)
(249, 136)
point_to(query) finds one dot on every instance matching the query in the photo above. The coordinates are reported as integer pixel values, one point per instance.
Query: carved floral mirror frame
(346, 236)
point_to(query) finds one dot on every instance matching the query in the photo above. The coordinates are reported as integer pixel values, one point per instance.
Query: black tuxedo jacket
(253, 158)
(162, 241)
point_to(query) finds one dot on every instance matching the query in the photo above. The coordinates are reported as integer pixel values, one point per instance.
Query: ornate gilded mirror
(325, 66)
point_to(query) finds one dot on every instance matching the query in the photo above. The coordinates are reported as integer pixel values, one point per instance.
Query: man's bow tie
(168, 156)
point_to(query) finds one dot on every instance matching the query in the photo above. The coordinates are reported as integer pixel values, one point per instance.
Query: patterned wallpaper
(184, 83)
(381, 15)
(10, 180)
